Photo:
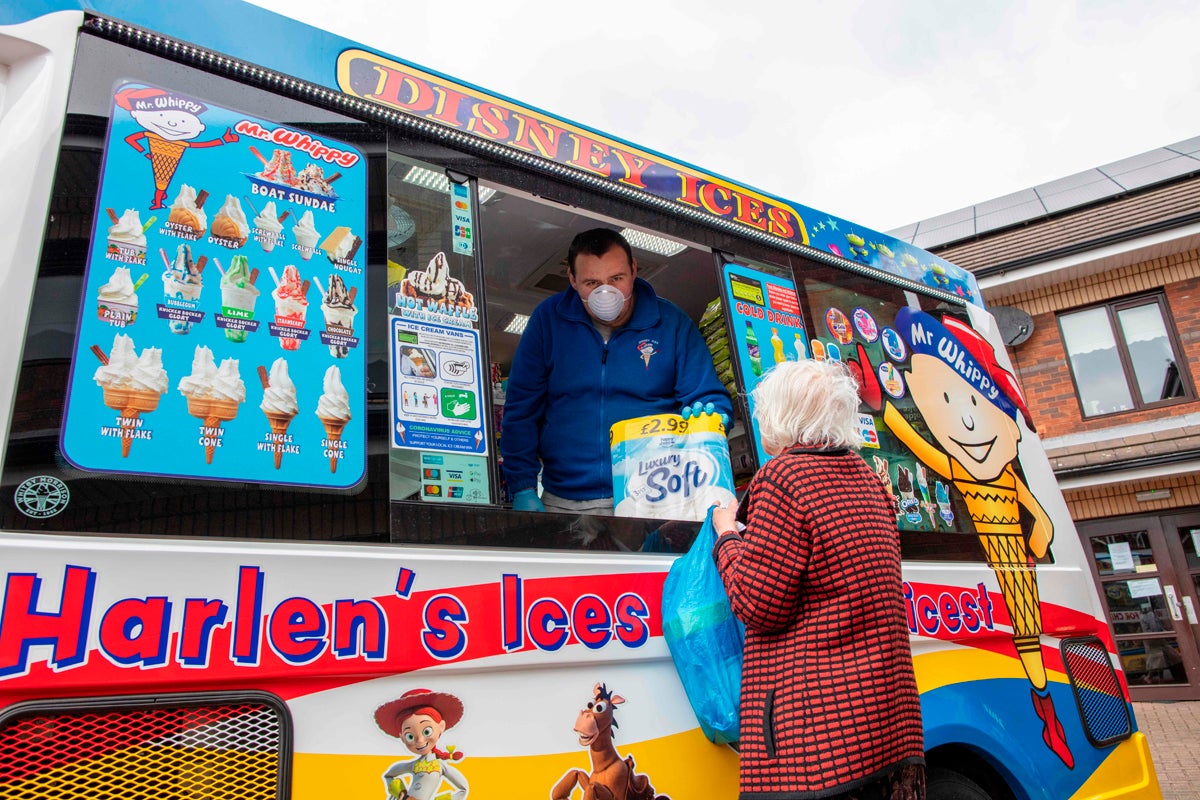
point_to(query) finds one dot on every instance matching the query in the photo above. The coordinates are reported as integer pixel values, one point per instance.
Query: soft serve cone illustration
(279, 404)
(333, 409)
(213, 395)
(132, 384)
(268, 227)
(187, 217)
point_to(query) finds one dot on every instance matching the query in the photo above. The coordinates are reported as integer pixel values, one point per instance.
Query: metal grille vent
(135, 750)
(1097, 691)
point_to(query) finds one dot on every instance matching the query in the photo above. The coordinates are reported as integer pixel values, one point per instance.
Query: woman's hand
(725, 517)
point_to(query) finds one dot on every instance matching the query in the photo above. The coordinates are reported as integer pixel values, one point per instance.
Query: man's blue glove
(696, 409)
(527, 500)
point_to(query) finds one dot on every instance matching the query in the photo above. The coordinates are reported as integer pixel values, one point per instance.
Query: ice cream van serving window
(396, 262)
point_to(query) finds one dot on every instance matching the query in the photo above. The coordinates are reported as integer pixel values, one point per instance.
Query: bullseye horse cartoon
(611, 778)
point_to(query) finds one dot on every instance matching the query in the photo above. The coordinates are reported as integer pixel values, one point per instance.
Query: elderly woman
(829, 703)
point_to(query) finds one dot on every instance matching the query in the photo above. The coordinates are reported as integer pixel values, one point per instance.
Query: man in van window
(604, 350)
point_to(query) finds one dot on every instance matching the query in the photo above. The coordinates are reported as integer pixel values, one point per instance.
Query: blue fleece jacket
(567, 387)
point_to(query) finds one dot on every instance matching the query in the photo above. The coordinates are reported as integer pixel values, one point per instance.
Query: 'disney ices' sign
(465, 108)
(402, 87)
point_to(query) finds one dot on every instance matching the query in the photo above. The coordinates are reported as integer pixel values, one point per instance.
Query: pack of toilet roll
(668, 467)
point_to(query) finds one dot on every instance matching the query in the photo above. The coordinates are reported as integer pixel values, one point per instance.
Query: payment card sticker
(460, 214)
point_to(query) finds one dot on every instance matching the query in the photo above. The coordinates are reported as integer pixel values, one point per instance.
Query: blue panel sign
(219, 336)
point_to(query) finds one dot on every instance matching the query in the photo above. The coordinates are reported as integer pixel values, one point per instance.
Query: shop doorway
(1148, 570)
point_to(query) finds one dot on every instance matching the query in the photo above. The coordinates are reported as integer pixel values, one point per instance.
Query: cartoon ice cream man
(970, 404)
(647, 348)
(169, 121)
(419, 718)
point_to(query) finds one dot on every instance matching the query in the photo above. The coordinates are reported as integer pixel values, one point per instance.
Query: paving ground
(1173, 730)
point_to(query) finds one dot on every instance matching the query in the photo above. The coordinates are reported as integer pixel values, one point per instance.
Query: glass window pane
(1150, 352)
(1189, 540)
(1099, 377)
(1152, 661)
(438, 453)
(1123, 553)
(1136, 614)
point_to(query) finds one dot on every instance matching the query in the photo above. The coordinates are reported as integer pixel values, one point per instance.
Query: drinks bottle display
(752, 349)
(777, 346)
(800, 354)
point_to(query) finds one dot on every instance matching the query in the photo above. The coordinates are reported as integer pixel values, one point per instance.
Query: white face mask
(606, 303)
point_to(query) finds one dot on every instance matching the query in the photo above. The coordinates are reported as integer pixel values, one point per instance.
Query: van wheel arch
(957, 773)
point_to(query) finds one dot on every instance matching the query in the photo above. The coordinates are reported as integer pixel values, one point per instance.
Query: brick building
(1095, 281)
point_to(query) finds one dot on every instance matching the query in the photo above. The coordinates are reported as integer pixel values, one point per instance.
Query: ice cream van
(244, 543)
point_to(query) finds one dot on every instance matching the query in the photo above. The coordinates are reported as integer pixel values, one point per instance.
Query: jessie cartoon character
(169, 122)
(419, 718)
(970, 404)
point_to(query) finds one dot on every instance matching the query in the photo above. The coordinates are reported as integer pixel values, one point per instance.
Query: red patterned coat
(829, 700)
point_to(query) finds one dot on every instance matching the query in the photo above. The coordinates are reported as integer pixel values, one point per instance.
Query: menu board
(219, 335)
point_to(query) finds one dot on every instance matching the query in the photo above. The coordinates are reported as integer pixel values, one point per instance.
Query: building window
(1124, 356)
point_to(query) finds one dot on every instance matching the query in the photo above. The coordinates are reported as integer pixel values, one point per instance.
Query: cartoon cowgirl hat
(446, 707)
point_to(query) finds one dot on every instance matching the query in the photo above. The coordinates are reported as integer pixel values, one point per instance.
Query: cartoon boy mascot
(169, 121)
(419, 718)
(970, 404)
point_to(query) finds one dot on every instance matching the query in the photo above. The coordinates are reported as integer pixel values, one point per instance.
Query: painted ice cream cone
(279, 426)
(279, 404)
(230, 225)
(213, 412)
(186, 217)
(138, 402)
(333, 409)
(213, 395)
(131, 384)
(333, 433)
(164, 159)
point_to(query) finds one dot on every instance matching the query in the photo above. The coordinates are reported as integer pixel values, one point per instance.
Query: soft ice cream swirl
(238, 275)
(228, 384)
(337, 296)
(148, 374)
(185, 203)
(204, 371)
(232, 212)
(279, 397)
(183, 280)
(267, 220)
(291, 286)
(121, 361)
(335, 401)
(128, 229)
(305, 231)
(119, 288)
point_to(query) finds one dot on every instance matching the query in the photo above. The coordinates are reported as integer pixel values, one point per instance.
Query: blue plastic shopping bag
(704, 637)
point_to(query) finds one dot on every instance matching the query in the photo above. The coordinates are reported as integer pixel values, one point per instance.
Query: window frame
(1112, 308)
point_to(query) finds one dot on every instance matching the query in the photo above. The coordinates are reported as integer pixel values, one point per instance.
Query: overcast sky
(882, 113)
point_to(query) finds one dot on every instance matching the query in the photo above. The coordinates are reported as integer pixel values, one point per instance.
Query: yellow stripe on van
(681, 765)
